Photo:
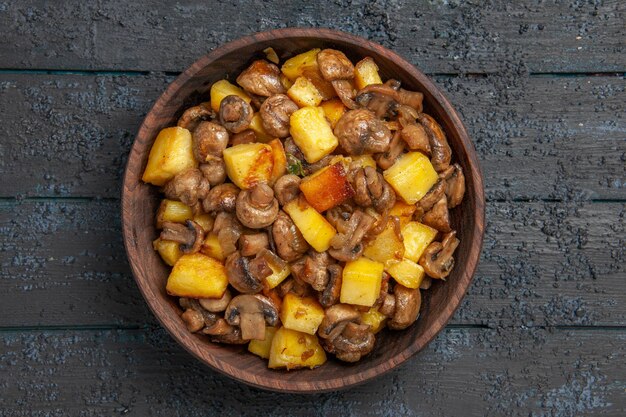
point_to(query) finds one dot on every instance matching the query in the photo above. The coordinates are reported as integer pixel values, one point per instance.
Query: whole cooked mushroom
(290, 244)
(194, 115)
(275, 113)
(361, 132)
(407, 307)
(190, 235)
(438, 217)
(257, 208)
(250, 313)
(347, 244)
(343, 336)
(240, 275)
(334, 65)
(261, 78)
(330, 294)
(235, 113)
(214, 170)
(440, 152)
(455, 184)
(371, 190)
(189, 187)
(222, 332)
(312, 269)
(209, 139)
(194, 316)
(437, 259)
(384, 99)
(216, 305)
(221, 198)
(287, 188)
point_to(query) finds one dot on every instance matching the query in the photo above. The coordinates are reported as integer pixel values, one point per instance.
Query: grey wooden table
(541, 87)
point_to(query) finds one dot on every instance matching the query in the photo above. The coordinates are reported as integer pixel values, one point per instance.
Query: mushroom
(438, 217)
(216, 305)
(330, 294)
(342, 335)
(387, 304)
(290, 244)
(247, 136)
(287, 188)
(275, 113)
(312, 269)
(190, 235)
(385, 99)
(361, 132)
(455, 184)
(257, 208)
(250, 313)
(432, 196)
(195, 317)
(252, 244)
(228, 231)
(235, 113)
(194, 115)
(441, 153)
(221, 198)
(416, 138)
(294, 286)
(345, 92)
(347, 244)
(386, 159)
(371, 190)
(222, 332)
(261, 78)
(437, 259)
(334, 65)
(240, 276)
(213, 170)
(189, 187)
(407, 307)
(209, 139)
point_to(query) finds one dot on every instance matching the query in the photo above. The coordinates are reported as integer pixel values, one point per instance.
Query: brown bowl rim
(273, 384)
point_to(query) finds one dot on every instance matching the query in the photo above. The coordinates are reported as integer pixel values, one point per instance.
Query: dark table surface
(541, 87)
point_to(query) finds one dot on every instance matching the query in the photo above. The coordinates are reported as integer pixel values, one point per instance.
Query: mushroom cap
(209, 139)
(239, 274)
(290, 244)
(437, 259)
(334, 65)
(221, 198)
(190, 235)
(408, 302)
(261, 78)
(441, 154)
(214, 170)
(257, 208)
(287, 188)
(235, 113)
(194, 115)
(275, 114)
(438, 217)
(189, 187)
(361, 132)
(336, 317)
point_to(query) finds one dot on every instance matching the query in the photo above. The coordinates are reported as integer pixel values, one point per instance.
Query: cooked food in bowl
(305, 208)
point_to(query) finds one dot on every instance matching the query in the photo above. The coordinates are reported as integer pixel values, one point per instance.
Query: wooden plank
(440, 37)
(537, 137)
(543, 264)
(464, 372)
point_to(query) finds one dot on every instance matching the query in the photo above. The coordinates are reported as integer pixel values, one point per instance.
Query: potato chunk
(386, 247)
(280, 160)
(412, 176)
(262, 348)
(172, 211)
(211, 247)
(366, 73)
(171, 153)
(169, 250)
(361, 282)
(403, 211)
(249, 164)
(417, 237)
(327, 187)
(256, 125)
(303, 314)
(295, 67)
(406, 272)
(374, 318)
(304, 93)
(314, 227)
(312, 133)
(333, 109)
(223, 88)
(292, 349)
(197, 276)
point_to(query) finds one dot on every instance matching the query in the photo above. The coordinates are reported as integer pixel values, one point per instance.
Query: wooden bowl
(140, 201)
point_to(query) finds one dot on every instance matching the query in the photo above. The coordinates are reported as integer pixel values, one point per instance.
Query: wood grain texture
(531, 373)
(139, 203)
(543, 264)
(443, 37)
(536, 137)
